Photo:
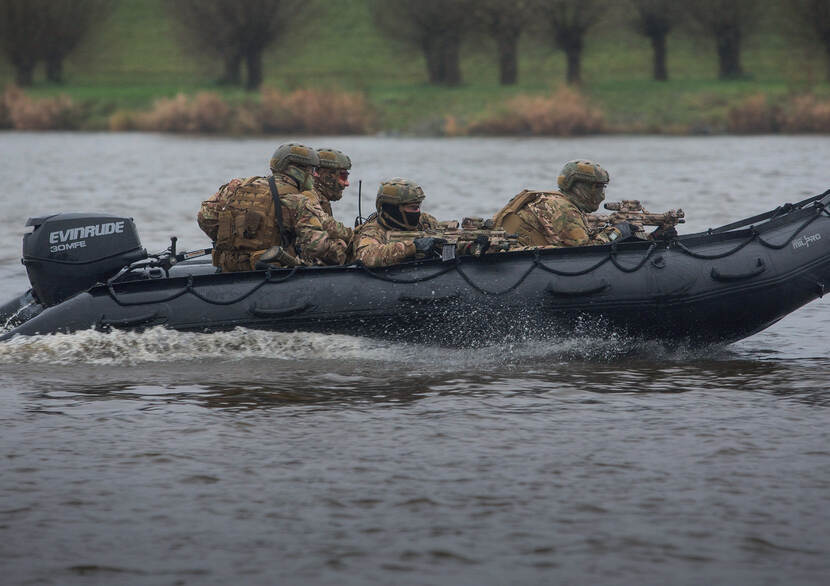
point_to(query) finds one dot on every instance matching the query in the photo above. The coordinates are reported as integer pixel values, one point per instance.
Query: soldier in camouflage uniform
(249, 233)
(557, 218)
(333, 177)
(398, 206)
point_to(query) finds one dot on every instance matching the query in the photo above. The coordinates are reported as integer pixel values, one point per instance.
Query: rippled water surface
(253, 457)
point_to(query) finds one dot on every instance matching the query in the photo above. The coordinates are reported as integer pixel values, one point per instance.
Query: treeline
(236, 34)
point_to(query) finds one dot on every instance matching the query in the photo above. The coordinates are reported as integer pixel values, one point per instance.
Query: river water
(289, 458)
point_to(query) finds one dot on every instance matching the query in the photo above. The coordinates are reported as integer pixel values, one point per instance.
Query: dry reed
(565, 113)
(315, 112)
(206, 112)
(806, 113)
(753, 115)
(24, 113)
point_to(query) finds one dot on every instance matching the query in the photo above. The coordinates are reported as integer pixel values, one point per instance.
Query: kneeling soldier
(398, 206)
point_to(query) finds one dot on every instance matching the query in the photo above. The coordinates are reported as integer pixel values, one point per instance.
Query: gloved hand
(626, 231)
(427, 244)
(662, 233)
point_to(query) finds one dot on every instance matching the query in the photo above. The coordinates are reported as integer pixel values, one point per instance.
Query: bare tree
(728, 22)
(45, 30)
(237, 32)
(435, 27)
(505, 21)
(568, 22)
(66, 23)
(21, 33)
(654, 19)
(810, 22)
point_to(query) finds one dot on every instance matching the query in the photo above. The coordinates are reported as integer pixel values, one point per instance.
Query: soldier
(333, 177)
(557, 218)
(250, 232)
(398, 206)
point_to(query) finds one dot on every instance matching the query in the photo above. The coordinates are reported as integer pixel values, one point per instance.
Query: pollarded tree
(728, 22)
(505, 20)
(812, 23)
(655, 19)
(45, 30)
(237, 32)
(567, 22)
(66, 23)
(21, 34)
(435, 27)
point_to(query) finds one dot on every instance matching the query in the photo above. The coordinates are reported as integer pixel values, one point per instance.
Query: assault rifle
(474, 237)
(631, 211)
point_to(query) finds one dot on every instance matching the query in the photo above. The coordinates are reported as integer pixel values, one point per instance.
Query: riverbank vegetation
(340, 69)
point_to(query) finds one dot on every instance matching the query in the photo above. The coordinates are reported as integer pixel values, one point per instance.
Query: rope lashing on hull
(820, 209)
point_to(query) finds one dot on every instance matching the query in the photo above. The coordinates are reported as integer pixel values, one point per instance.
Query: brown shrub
(753, 115)
(805, 113)
(121, 121)
(24, 113)
(315, 112)
(206, 112)
(565, 113)
(5, 118)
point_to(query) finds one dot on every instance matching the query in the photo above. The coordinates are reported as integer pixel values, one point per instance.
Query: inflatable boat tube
(716, 286)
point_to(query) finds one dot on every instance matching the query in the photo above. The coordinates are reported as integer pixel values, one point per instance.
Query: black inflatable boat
(90, 271)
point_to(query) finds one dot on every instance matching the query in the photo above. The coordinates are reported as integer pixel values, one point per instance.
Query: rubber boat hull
(713, 287)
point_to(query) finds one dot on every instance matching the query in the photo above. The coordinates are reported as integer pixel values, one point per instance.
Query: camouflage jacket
(547, 218)
(333, 227)
(372, 247)
(240, 219)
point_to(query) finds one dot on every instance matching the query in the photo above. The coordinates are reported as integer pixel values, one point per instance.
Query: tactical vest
(509, 220)
(246, 224)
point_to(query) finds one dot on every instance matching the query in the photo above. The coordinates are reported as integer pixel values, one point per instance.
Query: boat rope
(754, 234)
(820, 209)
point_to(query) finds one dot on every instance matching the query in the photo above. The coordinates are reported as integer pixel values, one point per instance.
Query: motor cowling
(69, 253)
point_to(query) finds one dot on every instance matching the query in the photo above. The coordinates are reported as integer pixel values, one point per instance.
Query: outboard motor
(69, 253)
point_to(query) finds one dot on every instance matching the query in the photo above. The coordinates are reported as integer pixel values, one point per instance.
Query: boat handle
(439, 300)
(126, 322)
(728, 277)
(278, 312)
(599, 288)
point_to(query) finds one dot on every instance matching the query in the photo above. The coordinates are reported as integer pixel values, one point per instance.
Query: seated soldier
(333, 177)
(398, 206)
(557, 218)
(250, 232)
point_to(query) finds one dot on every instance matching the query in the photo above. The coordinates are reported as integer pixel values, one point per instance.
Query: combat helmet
(393, 195)
(581, 170)
(333, 173)
(293, 154)
(334, 159)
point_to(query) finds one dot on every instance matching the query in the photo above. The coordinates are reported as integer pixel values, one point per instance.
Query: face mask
(393, 217)
(328, 185)
(587, 196)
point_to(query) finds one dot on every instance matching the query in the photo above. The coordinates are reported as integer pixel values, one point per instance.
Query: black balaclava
(394, 217)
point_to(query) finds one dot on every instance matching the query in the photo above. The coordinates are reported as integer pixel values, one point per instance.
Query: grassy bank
(136, 59)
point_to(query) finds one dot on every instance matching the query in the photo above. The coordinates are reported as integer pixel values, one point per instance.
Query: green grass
(136, 56)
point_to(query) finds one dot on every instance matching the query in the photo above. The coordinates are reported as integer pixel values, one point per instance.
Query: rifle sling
(272, 184)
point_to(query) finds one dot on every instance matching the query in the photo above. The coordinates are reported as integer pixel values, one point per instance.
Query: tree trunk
(233, 69)
(24, 72)
(508, 42)
(253, 62)
(827, 54)
(729, 53)
(434, 60)
(451, 58)
(573, 55)
(658, 44)
(54, 69)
